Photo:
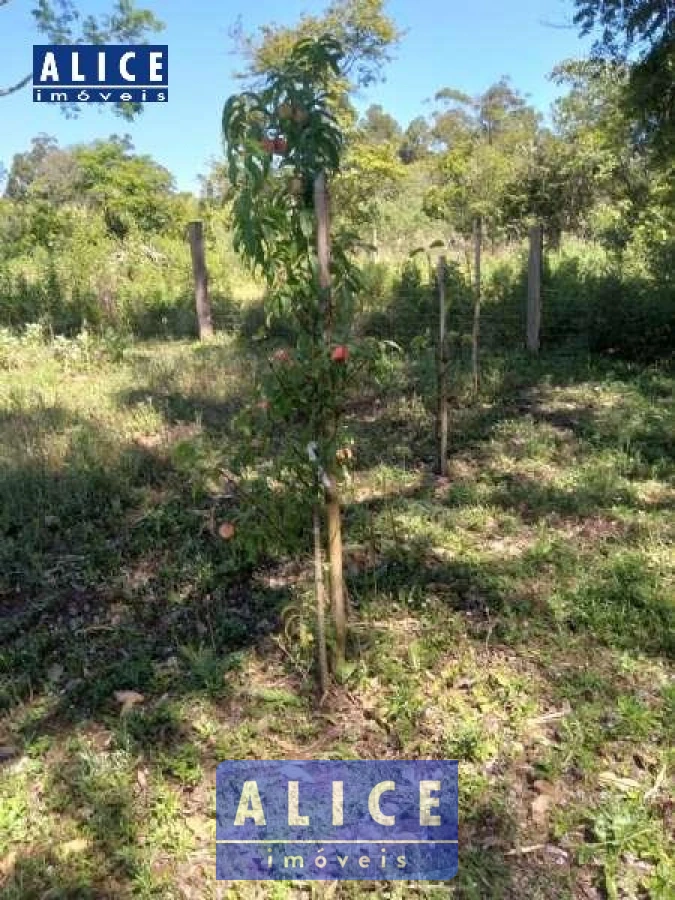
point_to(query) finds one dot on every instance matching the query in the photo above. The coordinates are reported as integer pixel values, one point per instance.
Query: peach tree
(284, 145)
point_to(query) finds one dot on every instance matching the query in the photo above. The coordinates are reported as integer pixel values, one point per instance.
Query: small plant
(283, 144)
(622, 828)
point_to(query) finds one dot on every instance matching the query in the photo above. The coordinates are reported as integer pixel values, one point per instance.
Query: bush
(141, 285)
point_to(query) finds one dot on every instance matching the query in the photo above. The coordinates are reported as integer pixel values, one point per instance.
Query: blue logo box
(100, 73)
(318, 820)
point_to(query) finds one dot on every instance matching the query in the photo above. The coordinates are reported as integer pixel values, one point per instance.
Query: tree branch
(20, 84)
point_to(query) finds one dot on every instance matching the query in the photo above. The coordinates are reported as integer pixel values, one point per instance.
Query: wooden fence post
(477, 242)
(442, 373)
(203, 304)
(534, 290)
(333, 512)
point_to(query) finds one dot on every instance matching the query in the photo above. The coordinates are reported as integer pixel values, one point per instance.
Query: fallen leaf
(128, 699)
(560, 856)
(142, 778)
(78, 845)
(622, 784)
(539, 808)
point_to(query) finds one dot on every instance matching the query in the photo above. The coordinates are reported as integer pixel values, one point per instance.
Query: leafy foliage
(280, 139)
(647, 29)
(361, 27)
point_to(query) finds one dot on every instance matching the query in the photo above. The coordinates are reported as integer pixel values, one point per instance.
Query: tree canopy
(640, 33)
(378, 126)
(362, 28)
(127, 189)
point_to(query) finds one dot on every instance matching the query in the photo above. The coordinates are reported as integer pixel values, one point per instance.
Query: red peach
(226, 531)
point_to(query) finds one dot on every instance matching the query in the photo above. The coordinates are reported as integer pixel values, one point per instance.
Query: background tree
(484, 139)
(552, 183)
(365, 32)
(416, 142)
(611, 177)
(367, 35)
(378, 127)
(128, 188)
(642, 34)
(26, 166)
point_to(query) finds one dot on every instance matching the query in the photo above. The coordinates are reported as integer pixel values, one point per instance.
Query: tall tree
(416, 143)
(26, 167)
(366, 35)
(62, 22)
(378, 126)
(641, 33)
(128, 189)
(365, 32)
(485, 139)
(612, 173)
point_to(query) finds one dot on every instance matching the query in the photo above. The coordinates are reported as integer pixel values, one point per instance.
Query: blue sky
(465, 44)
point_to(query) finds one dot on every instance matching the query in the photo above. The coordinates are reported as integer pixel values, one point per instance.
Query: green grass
(517, 616)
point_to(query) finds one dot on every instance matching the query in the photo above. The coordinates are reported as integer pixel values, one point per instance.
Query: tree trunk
(333, 514)
(477, 238)
(203, 303)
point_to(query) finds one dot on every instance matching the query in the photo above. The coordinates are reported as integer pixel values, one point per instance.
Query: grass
(516, 616)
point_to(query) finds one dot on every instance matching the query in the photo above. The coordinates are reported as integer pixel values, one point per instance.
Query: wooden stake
(477, 238)
(203, 304)
(333, 513)
(442, 374)
(338, 604)
(320, 604)
(534, 290)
